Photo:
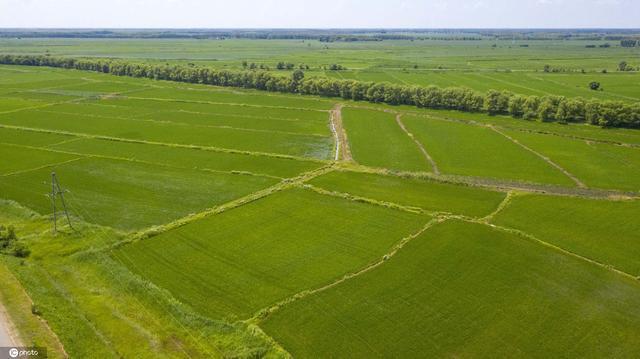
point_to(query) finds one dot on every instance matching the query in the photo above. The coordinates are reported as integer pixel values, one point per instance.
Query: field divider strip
(533, 238)
(43, 166)
(354, 198)
(174, 145)
(540, 155)
(426, 154)
(504, 204)
(133, 160)
(265, 313)
(252, 197)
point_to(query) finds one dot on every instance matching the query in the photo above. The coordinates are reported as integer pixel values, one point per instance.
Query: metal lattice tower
(56, 191)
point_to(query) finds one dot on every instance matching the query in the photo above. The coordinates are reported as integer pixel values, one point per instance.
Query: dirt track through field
(8, 337)
(433, 164)
(343, 152)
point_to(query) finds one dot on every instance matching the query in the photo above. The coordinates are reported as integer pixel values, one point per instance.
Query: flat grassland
(215, 222)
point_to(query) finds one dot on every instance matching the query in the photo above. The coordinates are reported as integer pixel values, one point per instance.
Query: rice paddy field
(226, 222)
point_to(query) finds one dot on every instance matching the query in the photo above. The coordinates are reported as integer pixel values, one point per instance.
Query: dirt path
(343, 152)
(543, 157)
(433, 164)
(8, 335)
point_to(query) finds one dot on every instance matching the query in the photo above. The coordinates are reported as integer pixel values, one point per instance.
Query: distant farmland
(228, 222)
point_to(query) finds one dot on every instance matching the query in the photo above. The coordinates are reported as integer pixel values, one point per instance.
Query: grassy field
(214, 222)
(597, 164)
(478, 151)
(377, 140)
(596, 229)
(459, 289)
(299, 239)
(424, 194)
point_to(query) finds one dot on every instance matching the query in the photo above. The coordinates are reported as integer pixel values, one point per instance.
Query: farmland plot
(14, 159)
(190, 158)
(247, 140)
(478, 151)
(297, 240)
(461, 288)
(376, 140)
(425, 194)
(604, 231)
(128, 195)
(596, 164)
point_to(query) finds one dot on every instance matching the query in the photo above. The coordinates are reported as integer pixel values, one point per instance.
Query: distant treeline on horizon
(330, 35)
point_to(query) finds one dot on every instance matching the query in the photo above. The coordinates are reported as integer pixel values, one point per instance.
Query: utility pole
(56, 191)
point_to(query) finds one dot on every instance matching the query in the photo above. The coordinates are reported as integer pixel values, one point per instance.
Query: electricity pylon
(56, 191)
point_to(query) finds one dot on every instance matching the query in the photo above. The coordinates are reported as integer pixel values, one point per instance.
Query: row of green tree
(547, 108)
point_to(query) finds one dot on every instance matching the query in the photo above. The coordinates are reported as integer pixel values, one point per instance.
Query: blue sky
(321, 14)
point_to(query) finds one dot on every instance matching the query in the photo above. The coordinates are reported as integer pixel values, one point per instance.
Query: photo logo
(13, 352)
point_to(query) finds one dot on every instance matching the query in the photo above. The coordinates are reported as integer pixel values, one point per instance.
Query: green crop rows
(224, 222)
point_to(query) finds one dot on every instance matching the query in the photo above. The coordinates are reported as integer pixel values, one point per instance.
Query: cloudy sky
(320, 14)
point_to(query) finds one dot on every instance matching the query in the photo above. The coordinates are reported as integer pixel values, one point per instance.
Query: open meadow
(225, 221)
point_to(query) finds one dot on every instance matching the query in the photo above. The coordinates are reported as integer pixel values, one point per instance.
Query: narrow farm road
(8, 337)
(343, 152)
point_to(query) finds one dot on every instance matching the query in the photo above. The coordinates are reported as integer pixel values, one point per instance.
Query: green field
(230, 222)
(596, 229)
(299, 239)
(462, 288)
(478, 151)
(376, 140)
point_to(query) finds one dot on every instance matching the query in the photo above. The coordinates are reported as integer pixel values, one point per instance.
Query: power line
(56, 191)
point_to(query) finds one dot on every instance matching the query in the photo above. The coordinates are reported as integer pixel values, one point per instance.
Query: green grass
(377, 140)
(128, 195)
(464, 290)
(470, 150)
(207, 93)
(422, 193)
(15, 159)
(246, 140)
(98, 308)
(596, 164)
(601, 230)
(190, 158)
(297, 240)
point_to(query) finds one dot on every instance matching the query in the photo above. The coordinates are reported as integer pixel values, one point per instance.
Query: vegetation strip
(264, 313)
(354, 198)
(502, 206)
(175, 145)
(543, 157)
(433, 164)
(43, 166)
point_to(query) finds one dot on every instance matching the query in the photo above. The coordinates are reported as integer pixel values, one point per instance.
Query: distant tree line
(546, 108)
